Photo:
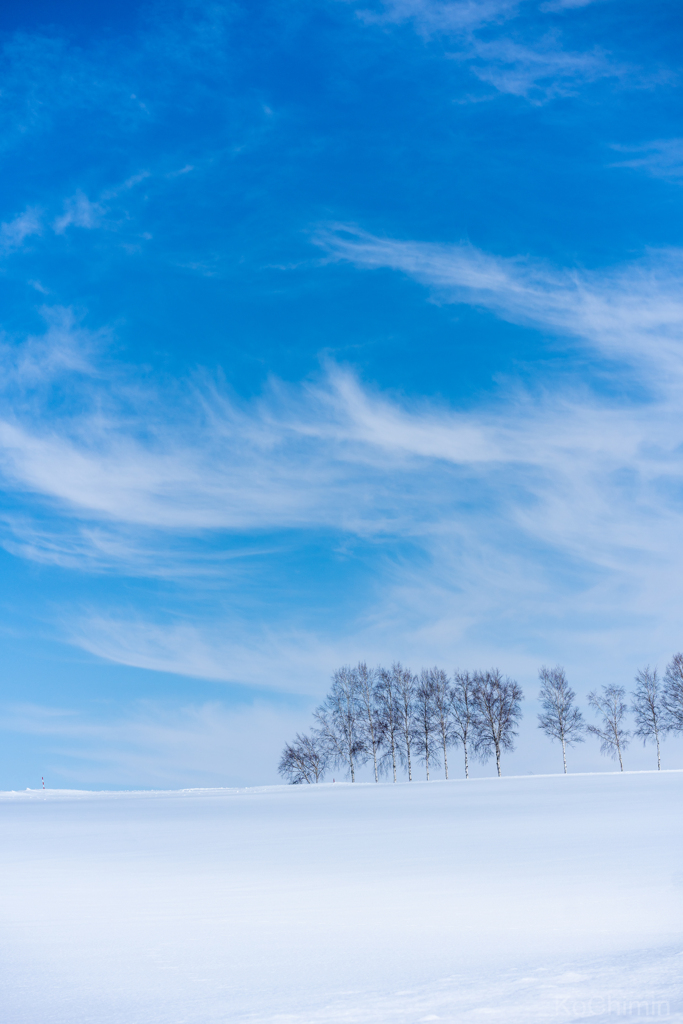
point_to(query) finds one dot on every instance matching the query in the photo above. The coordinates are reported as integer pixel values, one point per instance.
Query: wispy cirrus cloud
(630, 313)
(662, 158)
(286, 458)
(269, 659)
(564, 490)
(13, 233)
(541, 71)
(65, 348)
(432, 16)
(529, 60)
(79, 212)
(566, 5)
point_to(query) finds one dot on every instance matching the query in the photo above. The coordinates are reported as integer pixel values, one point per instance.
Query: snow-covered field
(521, 899)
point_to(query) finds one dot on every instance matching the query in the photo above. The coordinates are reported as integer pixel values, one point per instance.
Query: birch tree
(443, 697)
(561, 719)
(462, 710)
(404, 681)
(386, 698)
(304, 760)
(425, 717)
(672, 695)
(647, 708)
(496, 711)
(339, 722)
(610, 705)
(370, 719)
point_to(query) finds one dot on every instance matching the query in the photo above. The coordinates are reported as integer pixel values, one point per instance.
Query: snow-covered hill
(521, 899)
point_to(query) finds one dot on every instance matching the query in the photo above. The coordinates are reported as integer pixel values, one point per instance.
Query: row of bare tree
(392, 717)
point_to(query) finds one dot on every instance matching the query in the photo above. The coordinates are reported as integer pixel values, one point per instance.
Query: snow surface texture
(516, 900)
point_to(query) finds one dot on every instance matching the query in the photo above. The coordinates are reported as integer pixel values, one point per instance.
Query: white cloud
(237, 653)
(541, 525)
(79, 212)
(515, 59)
(65, 349)
(538, 71)
(432, 16)
(565, 5)
(13, 233)
(662, 158)
(629, 313)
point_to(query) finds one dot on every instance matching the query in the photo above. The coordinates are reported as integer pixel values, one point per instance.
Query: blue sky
(330, 330)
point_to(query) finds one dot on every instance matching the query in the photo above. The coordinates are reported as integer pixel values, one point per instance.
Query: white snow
(515, 900)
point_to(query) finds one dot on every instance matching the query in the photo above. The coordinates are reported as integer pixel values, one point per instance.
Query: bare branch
(561, 719)
(462, 710)
(612, 735)
(304, 760)
(443, 699)
(425, 716)
(672, 695)
(371, 722)
(496, 712)
(338, 721)
(647, 709)
(404, 685)
(386, 700)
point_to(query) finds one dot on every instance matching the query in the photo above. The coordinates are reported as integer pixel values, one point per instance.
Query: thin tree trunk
(374, 758)
(659, 762)
(445, 759)
(498, 759)
(564, 755)
(615, 732)
(353, 776)
(410, 767)
(467, 764)
(427, 761)
(393, 755)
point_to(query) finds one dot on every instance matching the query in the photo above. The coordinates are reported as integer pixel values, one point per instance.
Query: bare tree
(497, 710)
(371, 720)
(672, 695)
(405, 701)
(425, 716)
(561, 719)
(612, 735)
(462, 710)
(304, 760)
(338, 720)
(647, 708)
(386, 698)
(442, 712)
